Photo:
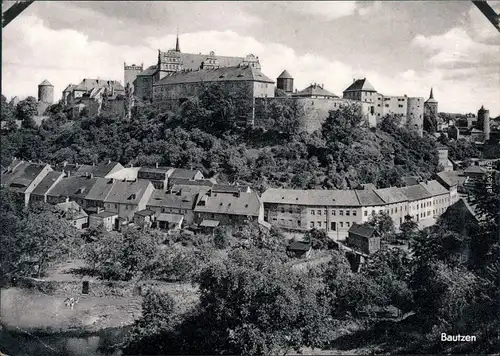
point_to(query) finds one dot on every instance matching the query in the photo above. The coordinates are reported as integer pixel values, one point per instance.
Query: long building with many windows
(335, 211)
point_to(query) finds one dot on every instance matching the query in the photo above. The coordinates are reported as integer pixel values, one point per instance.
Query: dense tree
(319, 240)
(26, 110)
(383, 224)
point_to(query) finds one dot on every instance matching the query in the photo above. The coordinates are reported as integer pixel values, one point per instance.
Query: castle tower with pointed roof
(431, 107)
(285, 82)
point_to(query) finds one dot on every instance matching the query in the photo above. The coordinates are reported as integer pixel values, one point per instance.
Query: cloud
(328, 10)
(467, 64)
(33, 52)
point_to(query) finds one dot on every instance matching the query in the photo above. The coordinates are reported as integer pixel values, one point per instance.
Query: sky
(401, 47)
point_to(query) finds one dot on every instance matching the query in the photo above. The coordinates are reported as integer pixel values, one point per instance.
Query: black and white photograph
(250, 178)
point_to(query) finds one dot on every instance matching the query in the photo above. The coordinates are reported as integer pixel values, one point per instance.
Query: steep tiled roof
(73, 187)
(475, 169)
(225, 188)
(315, 90)
(362, 230)
(391, 195)
(90, 84)
(22, 176)
(185, 200)
(448, 178)
(415, 192)
(147, 72)
(360, 85)
(44, 186)
(100, 189)
(70, 87)
(190, 182)
(311, 197)
(285, 75)
(100, 170)
(193, 61)
(45, 83)
(154, 170)
(368, 197)
(434, 187)
(247, 204)
(127, 192)
(243, 73)
(184, 173)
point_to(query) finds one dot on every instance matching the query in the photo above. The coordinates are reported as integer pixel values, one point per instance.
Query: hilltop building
(93, 94)
(483, 122)
(431, 107)
(313, 102)
(179, 67)
(45, 96)
(411, 109)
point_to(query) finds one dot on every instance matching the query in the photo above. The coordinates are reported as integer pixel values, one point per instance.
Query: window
(290, 211)
(386, 105)
(354, 213)
(347, 224)
(333, 212)
(333, 226)
(392, 211)
(341, 212)
(341, 224)
(319, 212)
(325, 212)
(366, 212)
(282, 210)
(312, 212)
(298, 222)
(347, 213)
(319, 224)
(312, 224)
(396, 209)
(116, 206)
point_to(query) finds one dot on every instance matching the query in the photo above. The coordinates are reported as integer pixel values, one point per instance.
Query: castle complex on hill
(178, 76)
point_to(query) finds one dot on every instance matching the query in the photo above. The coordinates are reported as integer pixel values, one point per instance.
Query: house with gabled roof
(301, 210)
(73, 188)
(419, 204)
(228, 208)
(128, 197)
(102, 169)
(180, 200)
(180, 175)
(39, 194)
(364, 238)
(96, 196)
(23, 177)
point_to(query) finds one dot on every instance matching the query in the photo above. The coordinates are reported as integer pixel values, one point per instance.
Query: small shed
(300, 248)
(170, 221)
(106, 218)
(363, 238)
(144, 217)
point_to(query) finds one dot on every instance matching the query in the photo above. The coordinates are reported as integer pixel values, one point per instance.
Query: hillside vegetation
(208, 133)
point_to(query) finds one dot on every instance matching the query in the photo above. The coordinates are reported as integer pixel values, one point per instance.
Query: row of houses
(167, 197)
(113, 195)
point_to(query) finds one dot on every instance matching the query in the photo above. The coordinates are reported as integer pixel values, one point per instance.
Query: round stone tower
(483, 122)
(46, 92)
(285, 82)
